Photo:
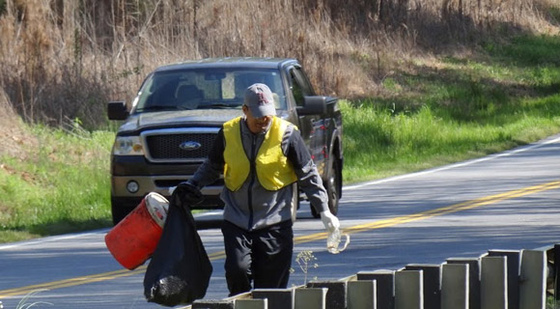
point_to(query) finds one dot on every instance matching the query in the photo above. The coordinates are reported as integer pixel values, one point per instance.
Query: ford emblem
(190, 145)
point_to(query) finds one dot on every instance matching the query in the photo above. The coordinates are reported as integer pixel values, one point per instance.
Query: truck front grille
(172, 147)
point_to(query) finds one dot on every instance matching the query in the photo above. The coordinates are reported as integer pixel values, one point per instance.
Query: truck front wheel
(333, 185)
(120, 209)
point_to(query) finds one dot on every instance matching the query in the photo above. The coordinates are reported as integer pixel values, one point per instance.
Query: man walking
(261, 157)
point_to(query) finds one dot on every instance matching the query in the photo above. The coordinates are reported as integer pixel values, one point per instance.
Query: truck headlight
(128, 146)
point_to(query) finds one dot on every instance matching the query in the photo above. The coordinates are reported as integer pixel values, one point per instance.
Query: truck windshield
(204, 89)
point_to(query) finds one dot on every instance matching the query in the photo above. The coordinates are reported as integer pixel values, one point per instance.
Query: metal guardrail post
(556, 273)
(277, 298)
(474, 279)
(533, 279)
(493, 282)
(455, 286)
(362, 294)
(311, 298)
(336, 294)
(409, 289)
(513, 267)
(251, 304)
(385, 280)
(432, 283)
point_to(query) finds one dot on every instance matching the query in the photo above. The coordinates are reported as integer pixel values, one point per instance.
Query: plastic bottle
(333, 241)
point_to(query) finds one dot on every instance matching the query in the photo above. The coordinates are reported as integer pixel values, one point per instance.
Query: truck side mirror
(313, 105)
(116, 110)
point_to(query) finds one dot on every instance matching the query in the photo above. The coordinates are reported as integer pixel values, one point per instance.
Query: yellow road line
(71, 282)
(301, 239)
(86, 279)
(436, 212)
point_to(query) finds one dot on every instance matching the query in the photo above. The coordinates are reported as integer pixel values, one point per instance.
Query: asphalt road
(504, 201)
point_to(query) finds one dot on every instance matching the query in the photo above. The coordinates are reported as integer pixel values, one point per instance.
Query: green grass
(438, 112)
(459, 108)
(62, 187)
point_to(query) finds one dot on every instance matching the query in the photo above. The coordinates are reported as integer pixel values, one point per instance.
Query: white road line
(451, 166)
(51, 239)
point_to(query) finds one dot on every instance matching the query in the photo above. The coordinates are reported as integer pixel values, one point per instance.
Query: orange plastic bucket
(133, 240)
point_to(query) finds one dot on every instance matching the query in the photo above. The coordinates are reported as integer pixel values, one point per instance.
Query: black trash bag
(179, 270)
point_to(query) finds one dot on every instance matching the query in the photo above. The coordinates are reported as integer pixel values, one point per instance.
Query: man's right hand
(188, 193)
(329, 220)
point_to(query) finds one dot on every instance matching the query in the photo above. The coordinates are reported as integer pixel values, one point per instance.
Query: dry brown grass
(65, 59)
(14, 137)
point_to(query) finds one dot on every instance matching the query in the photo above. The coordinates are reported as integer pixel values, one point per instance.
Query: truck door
(312, 127)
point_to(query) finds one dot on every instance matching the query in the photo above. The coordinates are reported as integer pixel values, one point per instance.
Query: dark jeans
(263, 256)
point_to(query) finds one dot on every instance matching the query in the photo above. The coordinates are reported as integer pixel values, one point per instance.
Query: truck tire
(333, 185)
(119, 212)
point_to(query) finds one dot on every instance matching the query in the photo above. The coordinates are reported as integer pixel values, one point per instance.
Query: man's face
(256, 125)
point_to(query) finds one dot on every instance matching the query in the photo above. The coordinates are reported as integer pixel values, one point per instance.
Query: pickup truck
(179, 110)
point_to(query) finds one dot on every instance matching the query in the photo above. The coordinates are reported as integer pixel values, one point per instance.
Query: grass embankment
(62, 186)
(451, 109)
(441, 111)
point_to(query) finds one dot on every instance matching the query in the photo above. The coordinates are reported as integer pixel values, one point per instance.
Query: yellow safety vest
(274, 171)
